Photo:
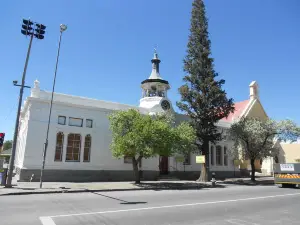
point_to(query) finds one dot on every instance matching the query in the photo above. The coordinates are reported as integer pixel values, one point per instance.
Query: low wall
(194, 175)
(112, 175)
(84, 175)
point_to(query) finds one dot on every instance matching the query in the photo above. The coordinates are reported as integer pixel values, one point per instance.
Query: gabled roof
(240, 107)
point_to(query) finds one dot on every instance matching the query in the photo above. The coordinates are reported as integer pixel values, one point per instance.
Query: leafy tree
(7, 145)
(255, 139)
(143, 136)
(202, 96)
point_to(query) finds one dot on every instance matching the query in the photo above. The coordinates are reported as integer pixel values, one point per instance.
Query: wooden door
(164, 164)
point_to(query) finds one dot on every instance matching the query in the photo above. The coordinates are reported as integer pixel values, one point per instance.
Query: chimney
(254, 90)
(35, 91)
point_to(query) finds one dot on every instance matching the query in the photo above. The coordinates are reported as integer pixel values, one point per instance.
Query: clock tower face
(165, 104)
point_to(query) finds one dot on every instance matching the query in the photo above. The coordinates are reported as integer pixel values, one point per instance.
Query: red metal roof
(239, 108)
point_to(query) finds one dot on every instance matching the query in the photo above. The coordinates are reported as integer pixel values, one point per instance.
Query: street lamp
(32, 29)
(63, 28)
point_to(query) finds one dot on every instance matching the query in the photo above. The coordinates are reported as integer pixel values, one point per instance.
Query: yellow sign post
(200, 159)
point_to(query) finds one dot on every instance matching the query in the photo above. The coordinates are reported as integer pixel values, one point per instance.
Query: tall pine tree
(202, 96)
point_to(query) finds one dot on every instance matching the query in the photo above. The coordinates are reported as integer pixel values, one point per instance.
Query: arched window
(225, 156)
(73, 148)
(219, 155)
(59, 146)
(212, 155)
(87, 148)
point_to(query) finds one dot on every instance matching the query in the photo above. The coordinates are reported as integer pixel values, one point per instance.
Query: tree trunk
(203, 174)
(205, 166)
(136, 170)
(252, 169)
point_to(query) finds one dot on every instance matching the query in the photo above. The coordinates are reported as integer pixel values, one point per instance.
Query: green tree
(202, 96)
(143, 136)
(7, 145)
(256, 139)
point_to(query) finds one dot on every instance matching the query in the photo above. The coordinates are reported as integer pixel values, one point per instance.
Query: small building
(79, 136)
(289, 153)
(5, 155)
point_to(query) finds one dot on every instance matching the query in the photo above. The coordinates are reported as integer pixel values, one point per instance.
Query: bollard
(3, 176)
(32, 176)
(213, 179)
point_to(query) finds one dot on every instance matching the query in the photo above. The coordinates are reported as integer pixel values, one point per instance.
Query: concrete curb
(249, 183)
(109, 190)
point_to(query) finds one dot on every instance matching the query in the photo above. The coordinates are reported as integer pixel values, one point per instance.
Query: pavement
(22, 188)
(235, 204)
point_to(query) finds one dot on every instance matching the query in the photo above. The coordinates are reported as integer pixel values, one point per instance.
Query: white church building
(79, 137)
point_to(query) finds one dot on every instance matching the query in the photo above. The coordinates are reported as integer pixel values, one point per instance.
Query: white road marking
(240, 222)
(171, 206)
(46, 220)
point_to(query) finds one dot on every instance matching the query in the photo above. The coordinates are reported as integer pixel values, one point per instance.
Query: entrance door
(164, 164)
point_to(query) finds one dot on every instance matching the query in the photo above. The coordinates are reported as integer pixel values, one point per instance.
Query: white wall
(22, 138)
(101, 157)
(267, 166)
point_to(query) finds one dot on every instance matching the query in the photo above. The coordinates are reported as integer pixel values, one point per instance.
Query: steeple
(155, 66)
(155, 75)
(155, 89)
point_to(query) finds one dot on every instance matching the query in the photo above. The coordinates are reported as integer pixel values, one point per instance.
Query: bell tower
(155, 90)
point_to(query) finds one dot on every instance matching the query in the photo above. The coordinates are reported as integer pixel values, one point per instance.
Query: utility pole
(27, 30)
(62, 29)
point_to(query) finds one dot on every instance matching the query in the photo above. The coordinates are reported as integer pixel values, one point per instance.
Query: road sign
(200, 159)
(287, 167)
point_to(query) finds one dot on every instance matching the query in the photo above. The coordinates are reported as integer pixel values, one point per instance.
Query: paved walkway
(63, 187)
(71, 187)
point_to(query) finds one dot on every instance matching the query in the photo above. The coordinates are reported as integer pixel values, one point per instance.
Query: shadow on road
(123, 202)
(251, 183)
(33, 188)
(157, 186)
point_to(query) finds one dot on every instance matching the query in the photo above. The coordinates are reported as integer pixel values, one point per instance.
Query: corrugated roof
(239, 109)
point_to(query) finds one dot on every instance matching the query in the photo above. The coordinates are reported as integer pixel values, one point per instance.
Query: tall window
(87, 148)
(219, 155)
(212, 155)
(73, 148)
(76, 122)
(225, 156)
(59, 146)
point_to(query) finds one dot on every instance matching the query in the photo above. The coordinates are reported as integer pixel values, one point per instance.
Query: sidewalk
(22, 188)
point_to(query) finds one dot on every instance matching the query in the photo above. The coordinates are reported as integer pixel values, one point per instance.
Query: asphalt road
(243, 205)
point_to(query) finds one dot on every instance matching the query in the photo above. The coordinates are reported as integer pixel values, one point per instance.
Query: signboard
(287, 167)
(200, 159)
(179, 159)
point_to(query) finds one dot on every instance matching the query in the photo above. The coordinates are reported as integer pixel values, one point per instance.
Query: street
(244, 205)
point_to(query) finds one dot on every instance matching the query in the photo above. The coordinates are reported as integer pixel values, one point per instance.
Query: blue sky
(107, 49)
